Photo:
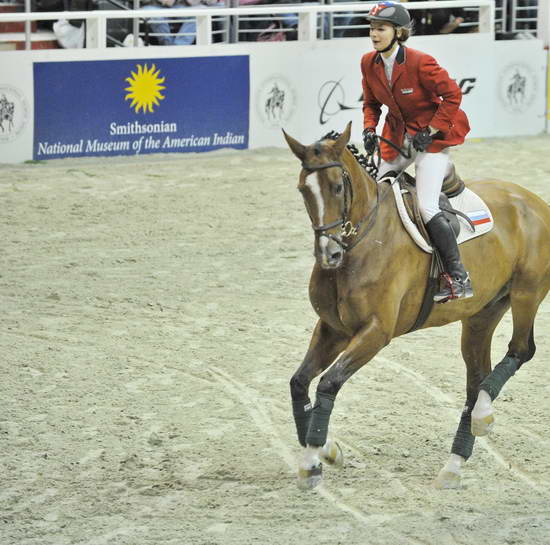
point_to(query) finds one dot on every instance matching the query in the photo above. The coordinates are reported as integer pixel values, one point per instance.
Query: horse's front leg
(362, 347)
(325, 345)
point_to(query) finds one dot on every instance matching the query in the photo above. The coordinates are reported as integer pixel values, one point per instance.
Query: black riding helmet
(389, 12)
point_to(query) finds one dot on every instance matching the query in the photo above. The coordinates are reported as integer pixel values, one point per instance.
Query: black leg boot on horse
(443, 237)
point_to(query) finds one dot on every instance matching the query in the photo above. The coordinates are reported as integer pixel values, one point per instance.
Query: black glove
(422, 140)
(369, 141)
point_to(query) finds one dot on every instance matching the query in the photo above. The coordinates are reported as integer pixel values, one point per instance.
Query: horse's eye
(338, 189)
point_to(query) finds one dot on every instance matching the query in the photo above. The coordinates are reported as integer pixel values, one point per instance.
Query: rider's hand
(369, 141)
(422, 139)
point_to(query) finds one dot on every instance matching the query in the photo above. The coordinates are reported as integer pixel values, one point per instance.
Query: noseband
(348, 230)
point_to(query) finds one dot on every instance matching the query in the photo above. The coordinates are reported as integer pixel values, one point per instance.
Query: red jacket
(421, 94)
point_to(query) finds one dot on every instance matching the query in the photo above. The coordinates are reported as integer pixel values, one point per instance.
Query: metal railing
(183, 28)
(308, 17)
(501, 16)
(524, 16)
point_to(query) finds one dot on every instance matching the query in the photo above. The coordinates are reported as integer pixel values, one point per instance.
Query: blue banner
(130, 107)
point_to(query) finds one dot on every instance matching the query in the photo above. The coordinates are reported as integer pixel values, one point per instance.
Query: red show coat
(421, 94)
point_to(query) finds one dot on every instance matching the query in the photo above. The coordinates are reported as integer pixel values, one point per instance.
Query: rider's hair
(404, 33)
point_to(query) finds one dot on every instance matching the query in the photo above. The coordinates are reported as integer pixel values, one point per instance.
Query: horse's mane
(359, 157)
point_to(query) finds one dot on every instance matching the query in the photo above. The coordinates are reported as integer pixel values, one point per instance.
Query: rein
(373, 165)
(407, 154)
(347, 228)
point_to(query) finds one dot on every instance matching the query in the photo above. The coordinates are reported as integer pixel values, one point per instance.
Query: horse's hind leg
(477, 333)
(525, 303)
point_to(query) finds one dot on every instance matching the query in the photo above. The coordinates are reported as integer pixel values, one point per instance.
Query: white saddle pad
(467, 202)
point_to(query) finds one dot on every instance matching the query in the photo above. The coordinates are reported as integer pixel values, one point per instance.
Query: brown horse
(367, 287)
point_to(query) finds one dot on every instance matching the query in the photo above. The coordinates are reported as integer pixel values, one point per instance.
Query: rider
(423, 110)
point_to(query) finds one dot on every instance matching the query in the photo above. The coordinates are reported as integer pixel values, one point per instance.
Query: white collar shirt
(389, 62)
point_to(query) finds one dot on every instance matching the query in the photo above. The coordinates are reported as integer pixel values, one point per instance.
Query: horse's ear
(342, 141)
(298, 149)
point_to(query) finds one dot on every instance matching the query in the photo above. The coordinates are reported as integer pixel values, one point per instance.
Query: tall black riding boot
(444, 239)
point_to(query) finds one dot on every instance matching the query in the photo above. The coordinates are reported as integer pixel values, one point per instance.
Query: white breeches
(430, 170)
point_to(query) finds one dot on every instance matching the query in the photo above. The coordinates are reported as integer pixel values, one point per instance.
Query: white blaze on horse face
(312, 182)
(323, 243)
(314, 185)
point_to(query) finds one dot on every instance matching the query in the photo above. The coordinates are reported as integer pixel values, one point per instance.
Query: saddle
(453, 186)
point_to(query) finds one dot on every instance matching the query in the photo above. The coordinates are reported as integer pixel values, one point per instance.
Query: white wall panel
(504, 85)
(16, 86)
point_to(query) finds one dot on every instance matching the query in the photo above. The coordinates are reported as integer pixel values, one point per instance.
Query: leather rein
(348, 229)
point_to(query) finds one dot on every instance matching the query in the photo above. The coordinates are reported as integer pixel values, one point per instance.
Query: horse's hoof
(482, 426)
(335, 456)
(446, 480)
(310, 478)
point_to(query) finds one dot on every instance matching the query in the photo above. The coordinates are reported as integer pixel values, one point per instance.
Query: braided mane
(359, 157)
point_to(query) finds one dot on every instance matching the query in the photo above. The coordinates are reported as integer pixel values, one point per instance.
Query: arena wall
(548, 95)
(110, 102)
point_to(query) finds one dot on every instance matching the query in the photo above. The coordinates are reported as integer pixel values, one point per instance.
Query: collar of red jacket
(401, 56)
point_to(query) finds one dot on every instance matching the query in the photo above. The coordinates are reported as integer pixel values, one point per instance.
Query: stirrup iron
(455, 288)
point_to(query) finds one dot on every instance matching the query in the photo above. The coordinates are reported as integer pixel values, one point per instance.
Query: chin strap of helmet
(392, 43)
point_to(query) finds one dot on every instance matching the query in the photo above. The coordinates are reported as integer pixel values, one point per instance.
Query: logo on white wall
(517, 87)
(13, 113)
(332, 100)
(275, 101)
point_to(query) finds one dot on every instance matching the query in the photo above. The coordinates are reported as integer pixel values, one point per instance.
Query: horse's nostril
(336, 256)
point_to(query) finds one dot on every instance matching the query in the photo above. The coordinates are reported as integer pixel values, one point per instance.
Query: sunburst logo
(145, 88)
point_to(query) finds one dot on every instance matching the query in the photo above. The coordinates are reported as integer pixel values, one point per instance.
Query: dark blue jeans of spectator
(290, 20)
(185, 34)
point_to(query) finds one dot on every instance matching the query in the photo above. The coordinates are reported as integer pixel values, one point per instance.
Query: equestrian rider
(423, 110)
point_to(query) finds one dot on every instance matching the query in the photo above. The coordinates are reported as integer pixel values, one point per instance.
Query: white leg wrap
(454, 464)
(483, 406)
(449, 476)
(311, 458)
(325, 450)
(331, 454)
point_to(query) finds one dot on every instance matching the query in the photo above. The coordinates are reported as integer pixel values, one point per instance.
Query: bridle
(348, 229)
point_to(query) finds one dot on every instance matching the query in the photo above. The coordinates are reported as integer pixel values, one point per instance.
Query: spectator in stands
(187, 29)
(254, 28)
(437, 21)
(290, 20)
(69, 36)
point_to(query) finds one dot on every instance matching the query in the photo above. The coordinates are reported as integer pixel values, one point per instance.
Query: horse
(367, 287)
(516, 89)
(6, 113)
(275, 103)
